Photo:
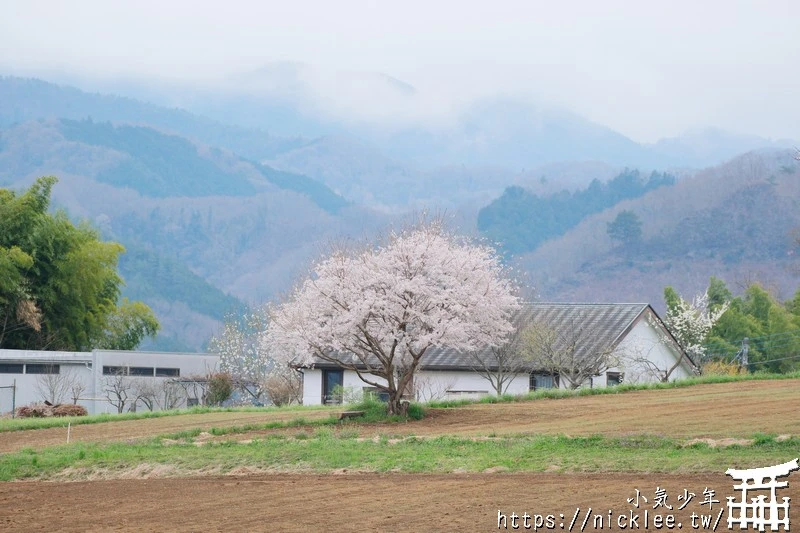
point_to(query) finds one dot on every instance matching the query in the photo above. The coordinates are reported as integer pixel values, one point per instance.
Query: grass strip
(21, 424)
(324, 451)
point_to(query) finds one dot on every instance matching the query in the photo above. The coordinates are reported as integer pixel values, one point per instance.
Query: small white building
(633, 335)
(100, 379)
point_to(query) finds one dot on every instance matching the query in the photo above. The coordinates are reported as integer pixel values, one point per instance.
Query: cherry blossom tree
(377, 310)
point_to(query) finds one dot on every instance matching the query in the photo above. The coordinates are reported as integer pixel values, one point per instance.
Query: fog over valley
(226, 147)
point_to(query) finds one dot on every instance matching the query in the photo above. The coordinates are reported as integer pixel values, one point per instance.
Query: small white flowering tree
(689, 323)
(377, 310)
(247, 360)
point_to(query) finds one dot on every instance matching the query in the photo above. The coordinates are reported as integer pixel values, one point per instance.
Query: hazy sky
(646, 69)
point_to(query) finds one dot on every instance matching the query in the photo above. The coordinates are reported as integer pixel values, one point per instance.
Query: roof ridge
(584, 303)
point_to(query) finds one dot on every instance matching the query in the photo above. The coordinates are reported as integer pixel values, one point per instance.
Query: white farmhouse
(163, 379)
(633, 335)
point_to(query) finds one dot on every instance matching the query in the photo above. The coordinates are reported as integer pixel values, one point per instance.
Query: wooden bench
(350, 414)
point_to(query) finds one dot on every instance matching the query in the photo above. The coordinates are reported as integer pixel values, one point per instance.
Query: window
(115, 371)
(42, 369)
(613, 378)
(141, 371)
(10, 368)
(543, 381)
(191, 402)
(471, 394)
(168, 372)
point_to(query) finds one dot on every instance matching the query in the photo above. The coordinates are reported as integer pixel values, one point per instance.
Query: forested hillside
(519, 220)
(737, 221)
(206, 231)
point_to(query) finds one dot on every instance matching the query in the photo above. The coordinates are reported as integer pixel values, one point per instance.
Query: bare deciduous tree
(169, 395)
(117, 388)
(285, 388)
(501, 364)
(58, 383)
(430, 388)
(566, 351)
(76, 389)
(194, 387)
(145, 390)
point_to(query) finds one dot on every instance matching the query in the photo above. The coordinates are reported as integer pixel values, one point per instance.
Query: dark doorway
(331, 379)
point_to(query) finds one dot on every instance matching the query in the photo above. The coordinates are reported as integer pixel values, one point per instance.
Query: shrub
(416, 411)
(69, 409)
(220, 388)
(721, 368)
(284, 389)
(36, 410)
(347, 395)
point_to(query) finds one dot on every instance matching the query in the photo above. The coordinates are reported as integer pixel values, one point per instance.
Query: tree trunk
(397, 406)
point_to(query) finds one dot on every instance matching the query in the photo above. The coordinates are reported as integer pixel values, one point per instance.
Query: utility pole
(745, 349)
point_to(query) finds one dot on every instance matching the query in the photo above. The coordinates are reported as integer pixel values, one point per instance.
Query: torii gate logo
(759, 512)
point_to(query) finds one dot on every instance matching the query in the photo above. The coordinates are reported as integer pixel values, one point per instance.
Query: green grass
(323, 451)
(19, 424)
(620, 389)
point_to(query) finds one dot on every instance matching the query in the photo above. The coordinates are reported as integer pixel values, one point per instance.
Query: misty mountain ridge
(265, 124)
(214, 225)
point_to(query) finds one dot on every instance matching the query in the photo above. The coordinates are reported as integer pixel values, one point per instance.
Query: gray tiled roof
(598, 326)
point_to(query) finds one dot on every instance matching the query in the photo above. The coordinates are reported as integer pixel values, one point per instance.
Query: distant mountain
(31, 99)
(519, 220)
(738, 221)
(357, 171)
(710, 146)
(374, 138)
(206, 230)
(515, 134)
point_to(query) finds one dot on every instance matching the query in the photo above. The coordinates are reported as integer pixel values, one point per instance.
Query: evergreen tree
(59, 285)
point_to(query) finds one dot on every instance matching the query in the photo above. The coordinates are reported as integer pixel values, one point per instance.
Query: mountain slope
(195, 250)
(519, 220)
(736, 221)
(32, 99)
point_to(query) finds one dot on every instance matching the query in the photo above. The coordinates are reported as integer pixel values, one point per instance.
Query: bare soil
(716, 411)
(130, 430)
(408, 502)
(353, 502)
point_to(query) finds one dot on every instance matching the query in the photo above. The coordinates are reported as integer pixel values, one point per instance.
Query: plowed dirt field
(715, 411)
(411, 502)
(358, 502)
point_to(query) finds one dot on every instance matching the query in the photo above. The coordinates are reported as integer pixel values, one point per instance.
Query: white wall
(429, 384)
(188, 364)
(88, 368)
(76, 365)
(644, 342)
